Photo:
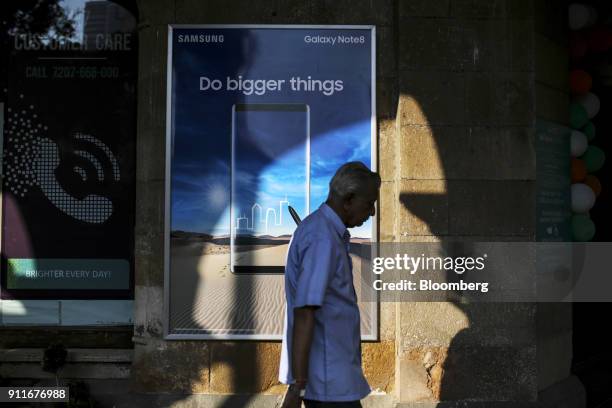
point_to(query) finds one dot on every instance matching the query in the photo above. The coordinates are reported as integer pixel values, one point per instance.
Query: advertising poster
(69, 161)
(259, 118)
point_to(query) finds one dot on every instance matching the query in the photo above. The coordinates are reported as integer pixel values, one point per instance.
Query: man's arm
(303, 329)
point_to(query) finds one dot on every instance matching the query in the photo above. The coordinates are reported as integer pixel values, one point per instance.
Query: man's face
(361, 207)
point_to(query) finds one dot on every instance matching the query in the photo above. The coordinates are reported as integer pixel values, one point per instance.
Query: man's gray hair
(351, 179)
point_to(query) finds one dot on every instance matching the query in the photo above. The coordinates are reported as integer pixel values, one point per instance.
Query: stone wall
(458, 88)
(465, 170)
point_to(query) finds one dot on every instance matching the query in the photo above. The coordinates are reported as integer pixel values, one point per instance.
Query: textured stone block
(156, 12)
(492, 154)
(568, 393)
(484, 153)
(386, 57)
(379, 13)
(491, 9)
(387, 142)
(378, 361)
(225, 12)
(387, 205)
(387, 321)
(551, 104)
(424, 8)
(466, 45)
(501, 98)
(438, 324)
(504, 45)
(443, 44)
(550, 19)
(149, 238)
(431, 98)
(150, 196)
(148, 311)
(491, 207)
(421, 153)
(386, 98)
(423, 207)
(243, 367)
(489, 374)
(554, 317)
(429, 324)
(551, 64)
(178, 367)
(412, 383)
(148, 259)
(151, 106)
(554, 358)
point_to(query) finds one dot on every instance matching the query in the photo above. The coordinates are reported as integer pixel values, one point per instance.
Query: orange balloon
(580, 82)
(579, 170)
(593, 182)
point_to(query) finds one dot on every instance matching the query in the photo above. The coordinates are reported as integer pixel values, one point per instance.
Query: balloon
(600, 39)
(579, 170)
(583, 228)
(590, 102)
(592, 16)
(580, 82)
(578, 115)
(578, 45)
(594, 158)
(578, 143)
(579, 16)
(583, 198)
(589, 130)
(593, 182)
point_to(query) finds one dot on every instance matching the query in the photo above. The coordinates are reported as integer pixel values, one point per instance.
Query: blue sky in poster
(270, 158)
(340, 127)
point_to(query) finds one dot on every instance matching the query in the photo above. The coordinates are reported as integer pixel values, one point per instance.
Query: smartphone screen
(270, 171)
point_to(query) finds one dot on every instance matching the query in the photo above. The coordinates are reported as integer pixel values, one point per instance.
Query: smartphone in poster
(260, 225)
(258, 119)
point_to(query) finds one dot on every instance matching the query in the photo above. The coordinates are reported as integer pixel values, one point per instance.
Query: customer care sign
(68, 164)
(258, 120)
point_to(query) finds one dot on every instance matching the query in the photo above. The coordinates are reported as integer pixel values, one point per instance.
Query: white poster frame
(374, 334)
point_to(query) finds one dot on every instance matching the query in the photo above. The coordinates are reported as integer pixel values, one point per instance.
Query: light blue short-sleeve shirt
(319, 273)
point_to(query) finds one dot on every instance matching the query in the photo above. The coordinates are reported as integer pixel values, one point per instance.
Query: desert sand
(207, 298)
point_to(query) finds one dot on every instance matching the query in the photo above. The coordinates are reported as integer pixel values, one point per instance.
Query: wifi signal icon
(94, 209)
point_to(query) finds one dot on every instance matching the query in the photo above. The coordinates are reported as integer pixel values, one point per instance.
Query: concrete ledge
(568, 393)
(469, 404)
(213, 401)
(81, 355)
(80, 363)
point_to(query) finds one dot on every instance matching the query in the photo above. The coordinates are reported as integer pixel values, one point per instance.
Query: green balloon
(589, 130)
(578, 115)
(583, 228)
(594, 158)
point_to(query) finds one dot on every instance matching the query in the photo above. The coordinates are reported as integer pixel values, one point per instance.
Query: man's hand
(291, 400)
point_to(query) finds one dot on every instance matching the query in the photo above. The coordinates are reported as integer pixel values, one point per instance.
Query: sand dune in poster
(206, 298)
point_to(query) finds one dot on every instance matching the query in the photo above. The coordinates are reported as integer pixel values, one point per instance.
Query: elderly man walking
(321, 354)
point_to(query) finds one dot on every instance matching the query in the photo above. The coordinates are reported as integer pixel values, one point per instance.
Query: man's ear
(348, 200)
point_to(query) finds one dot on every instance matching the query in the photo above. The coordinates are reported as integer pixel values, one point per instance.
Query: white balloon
(583, 198)
(578, 143)
(592, 16)
(579, 16)
(590, 102)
